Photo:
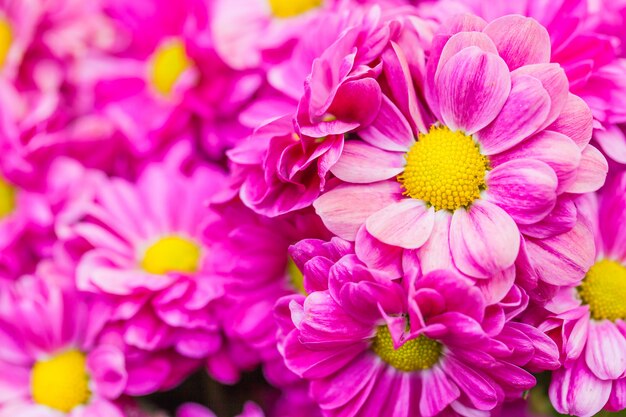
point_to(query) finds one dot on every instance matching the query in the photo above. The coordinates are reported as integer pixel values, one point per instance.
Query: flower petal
(520, 40)
(576, 391)
(390, 130)
(591, 173)
(575, 121)
(524, 112)
(361, 163)
(438, 391)
(524, 188)
(555, 149)
(606, 350)
(563, 259)
(472, 87)
(407, 223)
(345, 208)
(483, 239)
(554, 81)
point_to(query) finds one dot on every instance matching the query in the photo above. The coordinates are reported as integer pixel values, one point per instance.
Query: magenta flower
(429, 347)
(249, 253)
(501, 156)
(165, 76)
(50, 365)
(277, 170)
(588, 319)
(146, 254)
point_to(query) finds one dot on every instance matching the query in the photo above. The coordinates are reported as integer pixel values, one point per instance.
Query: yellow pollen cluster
(290, 8)
(169, 62)
(604, 290)
(445, 169)
(296, 278)
(415, 355)
(7, 198)
(62, 382)
(6, 40)
(171, 254)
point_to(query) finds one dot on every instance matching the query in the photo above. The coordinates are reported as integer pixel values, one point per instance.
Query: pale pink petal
(435, 253)
(613, 143)
(576, 391)
(462, 40)
(407, 223)
(472, 87)
(555, 149)
(345, 208)
(361, 163)
(520, 40)
(575, 121)
(591, 173)
(483, 239)
(606, 350)
(390, 130)
(563, 259)
(524, 188)
(554, 81)
(523, 113)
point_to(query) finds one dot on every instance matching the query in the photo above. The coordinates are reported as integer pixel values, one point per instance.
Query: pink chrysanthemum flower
(249, 253)
(164, 74)
(589, 319)
(375, 347)
(49, 363)
(505, 148)
(146, 254)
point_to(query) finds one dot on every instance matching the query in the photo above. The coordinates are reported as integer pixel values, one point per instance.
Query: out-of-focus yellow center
(445, 169)
(415, 355)
(171, 254)
(7, 198)
(61, 382)
(6, 40)
(169, 62)
(296, 278)
(291, 8)
(604, 290)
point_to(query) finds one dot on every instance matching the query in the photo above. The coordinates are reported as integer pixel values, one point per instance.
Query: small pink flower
(588, 320)
(145, 253)
(50, 365)
(250, 255)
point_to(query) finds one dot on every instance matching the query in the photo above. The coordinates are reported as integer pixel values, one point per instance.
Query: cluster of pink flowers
(393, 208)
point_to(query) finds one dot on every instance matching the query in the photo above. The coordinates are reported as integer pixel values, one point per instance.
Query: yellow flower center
(171, 254)
(6, 40)
(415, 355)
(296, 278)
(445, 169)
(7, 198)
(62, 382)
(291, 8)
(169, 62)
(604, 290)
